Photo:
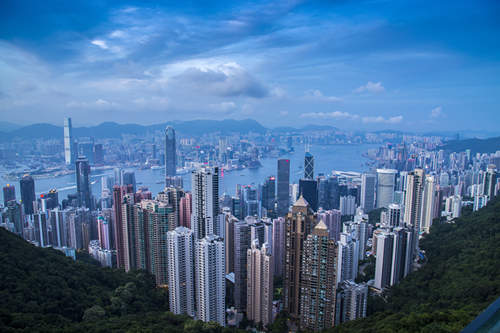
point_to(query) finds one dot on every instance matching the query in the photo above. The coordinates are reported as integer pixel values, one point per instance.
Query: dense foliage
(41, 290)
(489, 145)
(460, 279)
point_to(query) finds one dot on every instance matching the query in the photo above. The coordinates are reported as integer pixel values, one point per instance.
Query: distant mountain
(5, 126)
(490, 145)
(115, 130)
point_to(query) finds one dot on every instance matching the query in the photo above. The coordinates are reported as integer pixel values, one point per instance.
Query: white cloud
(101, 43)
(329, 115)
(382, 120)
(437, 112)
(316, 94)
(223, 106)
(371, 87)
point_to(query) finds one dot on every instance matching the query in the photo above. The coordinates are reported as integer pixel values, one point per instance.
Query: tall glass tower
(68, 142)
(283, 186)
(170, 163)
(83, 182)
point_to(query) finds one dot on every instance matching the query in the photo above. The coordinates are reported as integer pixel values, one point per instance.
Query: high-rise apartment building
(260, 283)
(210, 279)
(318, 280)
(386, 182)
(278, 245)
(170, 152)
(205, 204)
(383, 265)
(413, 202)
(299, 223)
(283, 186)
(181, 288)
(394, 215)
(185, 207)
(348, 257)
(429, 198)
(351, 301)
(333, 220)
(490, 182)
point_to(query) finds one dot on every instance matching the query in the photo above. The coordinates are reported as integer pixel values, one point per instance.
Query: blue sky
(416, 65)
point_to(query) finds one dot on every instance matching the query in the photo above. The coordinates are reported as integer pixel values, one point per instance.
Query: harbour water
(326, 159)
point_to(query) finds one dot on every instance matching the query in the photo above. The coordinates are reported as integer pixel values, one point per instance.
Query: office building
(283, 186)
(308, 166)
(242, 242)
(170, 152)
(260, 284)
(386, 182)
(308, 188)
(278, 245)
(368, 192)
(27, 186)
(269, 196)
(210, 279)
(318, 280)
(9, 193)
(83, 182)
(69, 154)
(181, 289)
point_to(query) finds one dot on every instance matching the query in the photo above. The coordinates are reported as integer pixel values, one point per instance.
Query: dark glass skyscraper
(83, 182)
(27, 193)
(9, 193)
(283, 186)
(308, 166)
(170, 163)
(308, 188)
(269, 196)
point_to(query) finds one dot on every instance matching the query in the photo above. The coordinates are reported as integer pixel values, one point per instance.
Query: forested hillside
(460, 279)
(41, 290)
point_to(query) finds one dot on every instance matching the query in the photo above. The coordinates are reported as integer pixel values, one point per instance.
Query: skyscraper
(490, 181)
(318, 280)
(348, 256)
(283, 186)
(83, 182)
(210, 279)
(185, 206)
(428, 203)
(205, 205)
(299, 223)
(308, 166)
(352, 301)
(413, 203)
(170, 152)
(9, 193)
(242, 243)
(386, 181)
(394, 215)
(260, 284)
(27, 186)
(367, 192)
(278, 245)
(383, 265)
(69, 154)
(128, 178)
(180, 245)
(269, 196)
(308, 188)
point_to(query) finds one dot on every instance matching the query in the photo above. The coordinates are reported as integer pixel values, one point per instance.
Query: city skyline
(375, 66)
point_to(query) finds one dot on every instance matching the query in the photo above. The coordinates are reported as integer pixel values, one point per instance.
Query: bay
(327, 158)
